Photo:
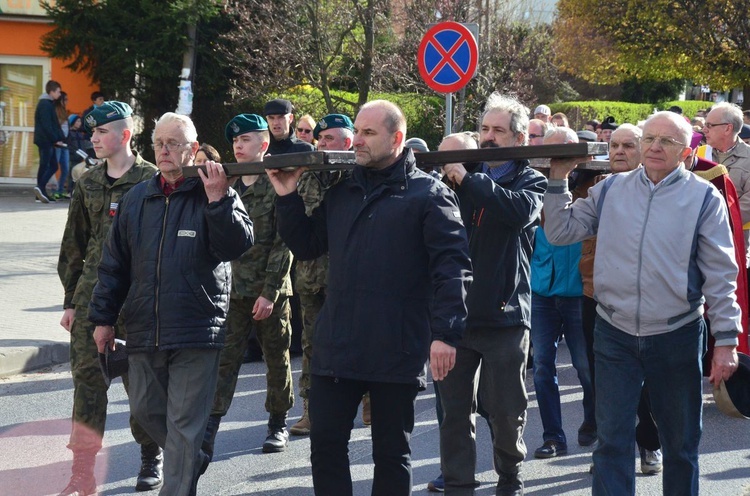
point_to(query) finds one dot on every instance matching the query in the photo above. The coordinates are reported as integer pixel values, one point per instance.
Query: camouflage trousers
(89, 389)
(310, 304)
(274, 335)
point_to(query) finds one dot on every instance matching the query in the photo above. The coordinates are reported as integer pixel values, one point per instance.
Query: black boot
(278, 436)
(152, 462)
(82, 481)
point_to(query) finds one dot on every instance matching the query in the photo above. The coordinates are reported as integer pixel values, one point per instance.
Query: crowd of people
(462, 270)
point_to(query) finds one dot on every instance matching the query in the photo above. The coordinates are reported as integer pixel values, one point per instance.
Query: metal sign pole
(448, 114)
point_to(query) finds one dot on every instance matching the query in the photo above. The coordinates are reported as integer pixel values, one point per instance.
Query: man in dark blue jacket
(47, 135)
(167, 260)
(502, 204)
(398, 275)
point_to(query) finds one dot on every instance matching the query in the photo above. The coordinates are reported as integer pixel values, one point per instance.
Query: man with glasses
(723, 146)
(95, 201)
(537, 129)
(652, 278)
(166, 266)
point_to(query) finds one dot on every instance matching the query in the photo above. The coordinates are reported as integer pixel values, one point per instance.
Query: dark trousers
(333, 407)
(47, 166)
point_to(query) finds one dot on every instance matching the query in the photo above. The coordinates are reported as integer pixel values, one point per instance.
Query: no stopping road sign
(447, 57)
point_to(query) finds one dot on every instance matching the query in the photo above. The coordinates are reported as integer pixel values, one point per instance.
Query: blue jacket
(167, 259)
(501, 217)
(554, 269)
(398, 274)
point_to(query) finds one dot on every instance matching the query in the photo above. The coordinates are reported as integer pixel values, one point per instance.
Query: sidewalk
(31, 295)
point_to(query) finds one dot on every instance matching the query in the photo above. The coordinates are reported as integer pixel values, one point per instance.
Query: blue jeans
(551, 317)
(47, 166)
(671, 365)
(63, 159)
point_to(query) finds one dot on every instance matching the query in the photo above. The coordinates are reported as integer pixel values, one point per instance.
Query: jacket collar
(400, 171)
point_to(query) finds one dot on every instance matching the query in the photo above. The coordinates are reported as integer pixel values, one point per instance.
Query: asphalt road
(34, 428)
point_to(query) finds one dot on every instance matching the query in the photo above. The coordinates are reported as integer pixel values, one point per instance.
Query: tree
(133, 50)
(658, 40)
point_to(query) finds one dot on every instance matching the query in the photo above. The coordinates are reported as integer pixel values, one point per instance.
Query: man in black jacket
(502, 204)
(280, 117)
(47, 135)
(167, 260)
(398, 274)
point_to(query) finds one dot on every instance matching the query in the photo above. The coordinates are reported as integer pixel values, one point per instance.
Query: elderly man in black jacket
(502, 205)
(398, 275)
(166, 266)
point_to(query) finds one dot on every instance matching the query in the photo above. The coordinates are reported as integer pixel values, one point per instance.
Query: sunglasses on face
(303, 130)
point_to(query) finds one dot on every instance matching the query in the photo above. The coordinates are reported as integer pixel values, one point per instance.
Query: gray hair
(569, 135)
(519, 113)
(637, 131)
(730, 113)
(185, 123)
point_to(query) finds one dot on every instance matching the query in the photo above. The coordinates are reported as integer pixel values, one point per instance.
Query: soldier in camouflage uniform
(94, 203)
(334, 133)
(261, 287)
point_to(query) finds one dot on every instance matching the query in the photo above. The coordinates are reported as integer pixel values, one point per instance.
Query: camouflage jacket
(92, 209)
(263, 270)
(310, 275)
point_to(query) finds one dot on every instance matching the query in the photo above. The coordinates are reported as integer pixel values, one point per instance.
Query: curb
(28, 358)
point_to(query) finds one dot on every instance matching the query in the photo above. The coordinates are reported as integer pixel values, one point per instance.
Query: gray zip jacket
(662, 250)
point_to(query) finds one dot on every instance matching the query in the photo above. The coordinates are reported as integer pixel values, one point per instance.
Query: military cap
(332, 121)
(733, 395)
(278, 106)
(107, 112)
(609, 123)
(114, 363)
(244, 123)
(417, 145)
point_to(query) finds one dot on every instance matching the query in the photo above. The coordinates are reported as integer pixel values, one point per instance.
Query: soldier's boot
(151, 475)
(302, 427)
(366, 411)
(278, 436)
(82, 481)
(209, 438)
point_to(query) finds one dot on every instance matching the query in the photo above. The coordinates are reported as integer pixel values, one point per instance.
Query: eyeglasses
(664, 141)
(170, 147)
(534, 136)
(711, 125)
(303, 130)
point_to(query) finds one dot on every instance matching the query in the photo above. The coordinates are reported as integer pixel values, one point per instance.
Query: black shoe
(509, 485)
(278, 438)
(586, 434)
(551, 449)
(151, 475)
(82, 481)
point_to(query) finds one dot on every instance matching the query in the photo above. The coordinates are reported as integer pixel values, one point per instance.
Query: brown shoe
(366, 414)
(302, 427)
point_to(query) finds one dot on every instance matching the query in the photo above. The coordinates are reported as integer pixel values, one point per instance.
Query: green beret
(107, 112)
(244, 123)
(331, 121)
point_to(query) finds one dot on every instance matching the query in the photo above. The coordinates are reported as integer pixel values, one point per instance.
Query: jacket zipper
(158, 268)
(640, 266)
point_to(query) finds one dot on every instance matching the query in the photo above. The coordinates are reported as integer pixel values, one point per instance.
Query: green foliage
(580, 112)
